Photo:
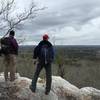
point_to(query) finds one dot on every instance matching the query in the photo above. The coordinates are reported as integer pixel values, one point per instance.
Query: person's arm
(35, 52)
(14, 45)
(53, 53)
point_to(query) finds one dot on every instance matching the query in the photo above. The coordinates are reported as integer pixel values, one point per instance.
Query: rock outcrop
(61, 90)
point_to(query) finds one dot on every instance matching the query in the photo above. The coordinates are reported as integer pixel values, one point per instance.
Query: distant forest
(71, 51)
(79, 65)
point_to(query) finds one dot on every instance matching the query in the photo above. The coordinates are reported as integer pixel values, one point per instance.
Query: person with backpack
(44, 52)
(9, 48)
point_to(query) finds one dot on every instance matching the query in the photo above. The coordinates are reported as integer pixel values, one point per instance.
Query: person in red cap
(44, 52)
(45, 37)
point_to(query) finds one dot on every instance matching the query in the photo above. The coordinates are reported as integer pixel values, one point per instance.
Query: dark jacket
(9, 45)
(13, 45)
(37, 49)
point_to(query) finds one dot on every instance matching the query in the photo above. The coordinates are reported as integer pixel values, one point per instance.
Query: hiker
(44, 53)
(9, 48)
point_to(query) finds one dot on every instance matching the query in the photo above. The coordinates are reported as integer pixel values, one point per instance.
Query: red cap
(45, 37)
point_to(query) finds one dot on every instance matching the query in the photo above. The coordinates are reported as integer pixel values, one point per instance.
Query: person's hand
(35, 60)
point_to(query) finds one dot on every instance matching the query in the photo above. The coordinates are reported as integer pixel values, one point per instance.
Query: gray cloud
(62, 14)
(66, 13)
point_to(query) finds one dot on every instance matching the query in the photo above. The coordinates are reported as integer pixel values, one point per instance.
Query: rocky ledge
(61, 90)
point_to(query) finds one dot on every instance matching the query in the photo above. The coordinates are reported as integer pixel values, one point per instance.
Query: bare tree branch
(14, 20)
(4, 8)
(21, 40)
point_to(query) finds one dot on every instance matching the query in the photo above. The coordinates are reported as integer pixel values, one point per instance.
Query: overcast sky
(70, 22)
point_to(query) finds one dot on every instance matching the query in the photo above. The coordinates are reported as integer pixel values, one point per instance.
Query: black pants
(48, 76)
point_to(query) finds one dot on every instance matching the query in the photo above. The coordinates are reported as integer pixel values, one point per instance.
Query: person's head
(12, 33)
(45, 37)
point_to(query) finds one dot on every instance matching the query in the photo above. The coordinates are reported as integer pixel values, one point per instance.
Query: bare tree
(12, 19)
(21, 39)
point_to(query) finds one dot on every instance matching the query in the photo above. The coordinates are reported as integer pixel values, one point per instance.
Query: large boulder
(64, 89)
(90, 93)
(60, 90)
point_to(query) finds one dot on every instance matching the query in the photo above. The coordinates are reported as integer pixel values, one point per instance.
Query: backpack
(46, 54)
(5, 45)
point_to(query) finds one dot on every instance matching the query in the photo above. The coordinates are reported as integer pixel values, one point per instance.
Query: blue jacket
(37, 49)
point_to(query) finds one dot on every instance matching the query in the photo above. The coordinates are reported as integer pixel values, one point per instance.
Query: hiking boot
(34, 94)
(12, 80)
(31, 88)
(46, 93)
